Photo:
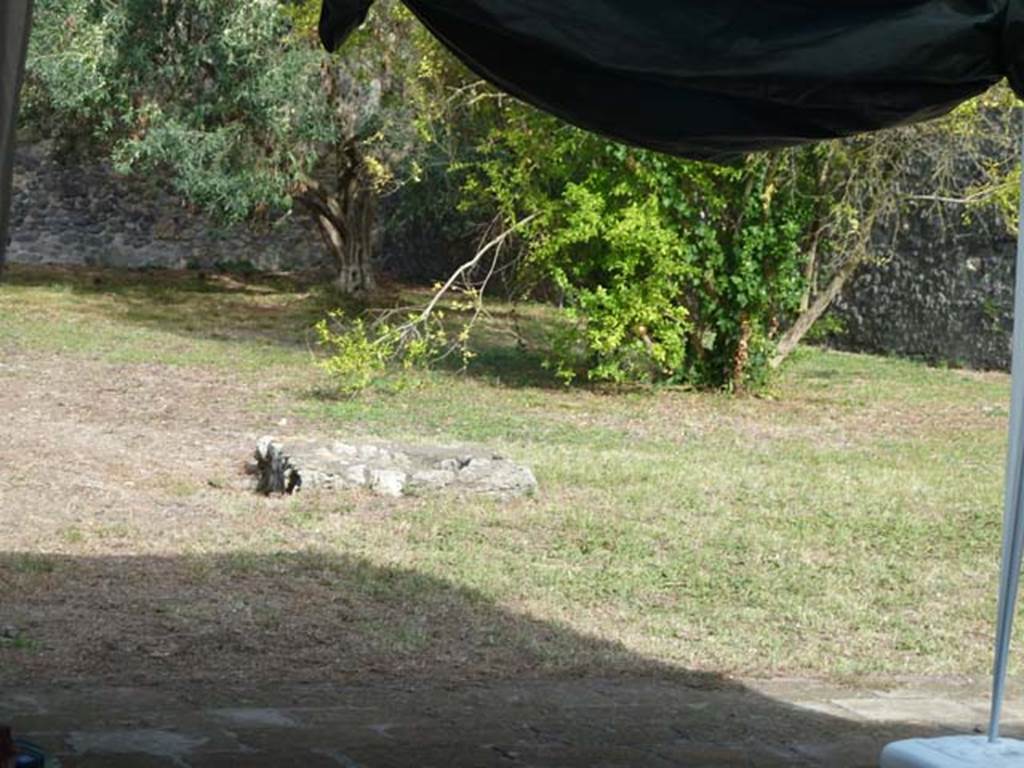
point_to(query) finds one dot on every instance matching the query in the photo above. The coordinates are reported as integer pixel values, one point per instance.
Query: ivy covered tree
(668, 269)
(237, 106)
(710, 275)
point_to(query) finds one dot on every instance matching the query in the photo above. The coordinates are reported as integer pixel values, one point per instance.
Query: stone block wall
(945, 295)
(82, 213)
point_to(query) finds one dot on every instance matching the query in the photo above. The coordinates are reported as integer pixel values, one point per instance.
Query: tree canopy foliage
(666, 269)
(235, 103)
(681, 271)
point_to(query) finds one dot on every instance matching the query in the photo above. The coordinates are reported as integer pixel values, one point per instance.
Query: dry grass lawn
(845, 525)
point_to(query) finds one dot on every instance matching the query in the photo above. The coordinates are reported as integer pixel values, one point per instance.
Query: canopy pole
(15, 24)
(1013, 518)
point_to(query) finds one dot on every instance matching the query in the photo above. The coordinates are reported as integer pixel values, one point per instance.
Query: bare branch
(472, 264)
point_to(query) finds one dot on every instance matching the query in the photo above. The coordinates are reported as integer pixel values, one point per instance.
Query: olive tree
(235, 104)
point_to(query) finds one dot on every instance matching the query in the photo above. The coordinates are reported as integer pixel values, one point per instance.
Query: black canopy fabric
(712, 78)
(15, 20)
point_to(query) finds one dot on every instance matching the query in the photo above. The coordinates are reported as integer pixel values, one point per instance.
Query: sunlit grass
(843, 523)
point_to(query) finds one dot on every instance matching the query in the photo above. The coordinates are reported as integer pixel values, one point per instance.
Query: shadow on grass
(258, 622)
(277, 308)
(193, 304)
(155, 284)
(508, 366)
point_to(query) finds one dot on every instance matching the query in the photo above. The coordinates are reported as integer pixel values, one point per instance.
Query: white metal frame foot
(954, 752)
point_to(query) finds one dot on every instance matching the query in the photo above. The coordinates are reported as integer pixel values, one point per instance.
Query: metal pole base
(954, 752)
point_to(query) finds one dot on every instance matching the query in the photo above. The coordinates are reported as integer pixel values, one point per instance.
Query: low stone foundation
(388, 470)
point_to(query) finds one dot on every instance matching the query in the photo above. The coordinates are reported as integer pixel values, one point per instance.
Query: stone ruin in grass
(285, 467)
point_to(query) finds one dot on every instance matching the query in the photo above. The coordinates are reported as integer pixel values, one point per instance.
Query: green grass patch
(844, 523)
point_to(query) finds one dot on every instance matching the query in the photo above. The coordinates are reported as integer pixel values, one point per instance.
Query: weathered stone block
(389, 470)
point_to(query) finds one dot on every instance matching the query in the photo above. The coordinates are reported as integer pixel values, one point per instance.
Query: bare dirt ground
(135, 552)
(108, 470)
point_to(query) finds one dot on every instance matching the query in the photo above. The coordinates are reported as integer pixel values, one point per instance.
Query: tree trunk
(351, 245)
(811, 269)
(806, 321)
(345, 223)
(741, 359)
(355, 270)
(817, 233)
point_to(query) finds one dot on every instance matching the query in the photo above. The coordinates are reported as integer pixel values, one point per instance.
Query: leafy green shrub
(359, 355)
(670, 270)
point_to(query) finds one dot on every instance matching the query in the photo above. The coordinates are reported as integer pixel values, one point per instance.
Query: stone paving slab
(538, 724)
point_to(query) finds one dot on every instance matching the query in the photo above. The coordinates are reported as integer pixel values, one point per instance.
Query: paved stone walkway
(538, 724)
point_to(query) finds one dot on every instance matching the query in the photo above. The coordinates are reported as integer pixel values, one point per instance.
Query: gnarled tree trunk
(345, 219)
(355, 270)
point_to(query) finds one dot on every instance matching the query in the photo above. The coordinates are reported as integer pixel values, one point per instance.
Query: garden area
(842, 524)
(359, 414)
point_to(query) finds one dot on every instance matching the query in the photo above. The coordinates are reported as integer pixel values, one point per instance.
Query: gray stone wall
(945, 295)
(82, 213)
